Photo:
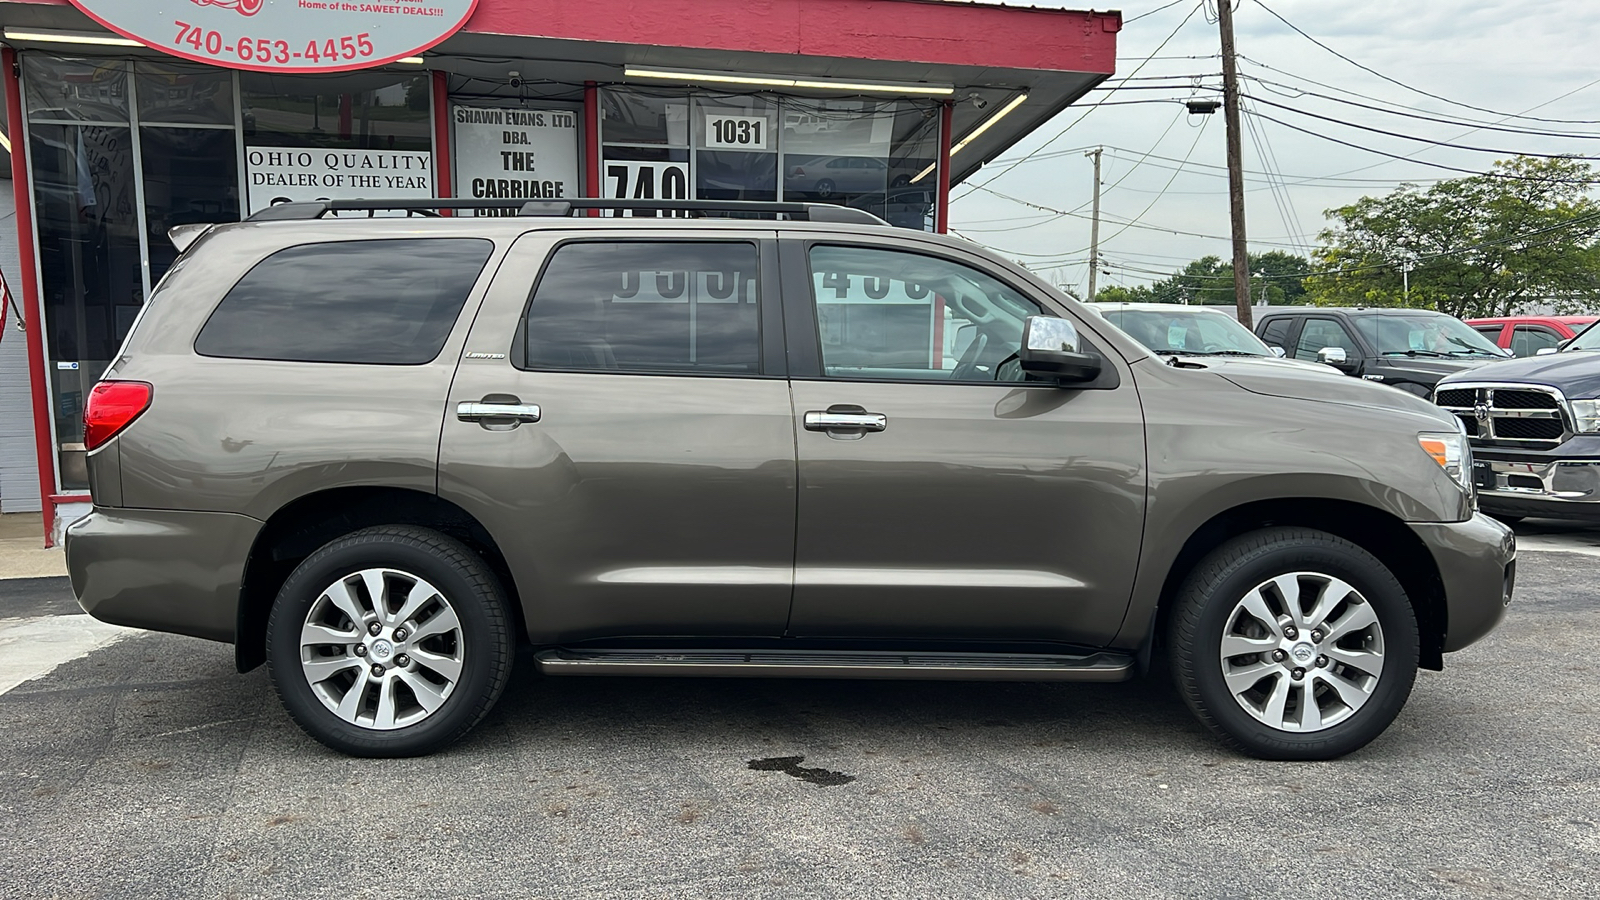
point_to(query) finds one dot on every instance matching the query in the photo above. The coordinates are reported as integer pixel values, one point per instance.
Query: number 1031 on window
(737, 132)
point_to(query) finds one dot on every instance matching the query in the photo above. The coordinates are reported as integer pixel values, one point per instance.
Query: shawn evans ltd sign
(285, 35)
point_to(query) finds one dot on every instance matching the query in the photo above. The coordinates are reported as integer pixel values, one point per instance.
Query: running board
(1103, 666)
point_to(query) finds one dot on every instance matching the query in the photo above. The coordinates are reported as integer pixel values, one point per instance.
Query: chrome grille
(1505, 398)
(1514, 415)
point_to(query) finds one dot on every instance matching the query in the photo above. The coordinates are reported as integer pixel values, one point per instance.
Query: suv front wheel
(389, 641)
(1291, 643)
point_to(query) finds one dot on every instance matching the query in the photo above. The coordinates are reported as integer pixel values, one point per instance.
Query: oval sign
(285, 35)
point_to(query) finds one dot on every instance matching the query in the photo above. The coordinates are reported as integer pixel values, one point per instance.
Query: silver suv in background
(378, 454)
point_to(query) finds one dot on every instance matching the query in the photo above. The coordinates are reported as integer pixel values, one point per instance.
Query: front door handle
(482, 410)
(849, 422)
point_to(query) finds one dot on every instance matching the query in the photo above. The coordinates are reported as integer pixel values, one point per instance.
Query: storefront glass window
(876, 155)
(88, 223)
(737, 149)
(183, 95)
(75, 90)
(190, 175)
(868, 154)
(357, 110)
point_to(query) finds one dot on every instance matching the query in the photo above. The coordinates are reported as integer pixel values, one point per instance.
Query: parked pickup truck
(1410, 349)
(1527, 335)
(1534, 425)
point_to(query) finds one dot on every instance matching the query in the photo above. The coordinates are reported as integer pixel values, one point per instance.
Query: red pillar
(30, 291)
(946, 138)
(591, 142)
(442, 183)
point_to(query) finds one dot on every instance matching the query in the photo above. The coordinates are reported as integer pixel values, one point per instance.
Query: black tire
(1508, 520)
(487, 648)
(825, 189)
(1207, 602)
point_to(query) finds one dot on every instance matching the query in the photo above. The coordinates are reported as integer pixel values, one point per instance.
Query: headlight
(1449, 449)
(1586, 415)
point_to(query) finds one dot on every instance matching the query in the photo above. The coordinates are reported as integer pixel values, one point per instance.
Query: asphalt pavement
(149, 768)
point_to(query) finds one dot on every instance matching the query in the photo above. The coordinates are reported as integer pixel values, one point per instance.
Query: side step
(1102, 666)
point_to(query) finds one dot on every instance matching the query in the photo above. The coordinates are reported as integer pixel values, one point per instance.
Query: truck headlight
(1449, 449)
(1586, 415)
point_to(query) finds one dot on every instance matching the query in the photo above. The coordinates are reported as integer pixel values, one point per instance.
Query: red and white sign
(285, 35)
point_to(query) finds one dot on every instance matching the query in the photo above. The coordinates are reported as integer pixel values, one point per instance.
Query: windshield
(1424, 335)
(1587, 339)
(1186, 329)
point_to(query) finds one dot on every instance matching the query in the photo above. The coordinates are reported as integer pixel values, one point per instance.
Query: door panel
(655, 493)
(982, 510)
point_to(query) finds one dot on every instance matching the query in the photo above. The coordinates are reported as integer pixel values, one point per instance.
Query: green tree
(1275, 276)
(1476, 246)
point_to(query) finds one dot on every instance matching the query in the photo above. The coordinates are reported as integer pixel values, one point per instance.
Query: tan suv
(379, 454)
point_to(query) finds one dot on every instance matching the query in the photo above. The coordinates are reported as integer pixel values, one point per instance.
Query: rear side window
(1276, 334)
(646, 307)
(376, 302)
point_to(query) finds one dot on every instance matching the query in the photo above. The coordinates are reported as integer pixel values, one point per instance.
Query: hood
(1436, 366)
(1575, 372)
(1262, 377)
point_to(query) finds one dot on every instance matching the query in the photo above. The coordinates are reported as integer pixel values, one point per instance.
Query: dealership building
(123, 120)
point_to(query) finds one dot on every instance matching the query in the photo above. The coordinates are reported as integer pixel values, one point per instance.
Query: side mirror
(1050, 348)
(1546, 351)
(1331, 356)
(1279, 352)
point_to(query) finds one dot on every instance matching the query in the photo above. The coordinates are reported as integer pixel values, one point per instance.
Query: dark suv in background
(380, 453)
(1410, 349)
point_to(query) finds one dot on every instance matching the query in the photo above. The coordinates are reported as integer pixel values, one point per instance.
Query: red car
(1527, 335)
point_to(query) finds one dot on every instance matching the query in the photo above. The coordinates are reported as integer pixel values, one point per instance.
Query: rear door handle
(846, 422)
(479, 411)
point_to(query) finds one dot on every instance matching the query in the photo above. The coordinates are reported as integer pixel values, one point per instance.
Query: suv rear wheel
(389, 641)
(1294, 644)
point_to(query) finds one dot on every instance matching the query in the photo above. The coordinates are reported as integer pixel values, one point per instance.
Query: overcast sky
(1539, 59)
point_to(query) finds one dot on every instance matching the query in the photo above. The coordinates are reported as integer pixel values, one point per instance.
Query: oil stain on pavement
(790, 765)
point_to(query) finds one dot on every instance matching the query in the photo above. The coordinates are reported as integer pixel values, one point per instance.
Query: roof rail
(815, 212)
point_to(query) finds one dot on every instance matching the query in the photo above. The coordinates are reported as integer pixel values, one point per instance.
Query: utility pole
(1230, 114)
(1094, 227)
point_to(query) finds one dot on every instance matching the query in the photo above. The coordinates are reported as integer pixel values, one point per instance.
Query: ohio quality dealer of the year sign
(284, 35)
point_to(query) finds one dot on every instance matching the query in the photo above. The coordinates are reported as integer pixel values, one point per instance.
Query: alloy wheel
(1302, 652)
(382, 648)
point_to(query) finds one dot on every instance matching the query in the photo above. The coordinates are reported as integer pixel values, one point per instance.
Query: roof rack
(814, 212)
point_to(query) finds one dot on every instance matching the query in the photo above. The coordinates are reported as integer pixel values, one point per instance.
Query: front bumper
(161, 569)
(1566, 488)
(1477, 561)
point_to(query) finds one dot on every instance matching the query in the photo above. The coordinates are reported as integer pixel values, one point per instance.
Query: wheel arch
(1382, 534)
(297, 529)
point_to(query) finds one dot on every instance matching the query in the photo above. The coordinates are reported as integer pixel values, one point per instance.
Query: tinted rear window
(386, 302)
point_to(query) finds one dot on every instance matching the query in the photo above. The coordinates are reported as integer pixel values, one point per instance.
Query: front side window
(889, 314)
(1319, 333)
(646, 307)
(377, 302)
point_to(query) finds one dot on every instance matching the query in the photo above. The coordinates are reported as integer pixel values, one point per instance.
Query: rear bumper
(1477, 563)
(162, 570)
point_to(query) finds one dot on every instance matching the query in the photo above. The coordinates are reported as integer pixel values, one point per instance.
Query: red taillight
(112, 406)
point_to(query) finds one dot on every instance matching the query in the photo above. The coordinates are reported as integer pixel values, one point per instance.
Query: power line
(1057, 136)
(1420, 140)
(1161, 8)
(1467, 123)
(1200, 132)
(1417, 90)
(1420, 162)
